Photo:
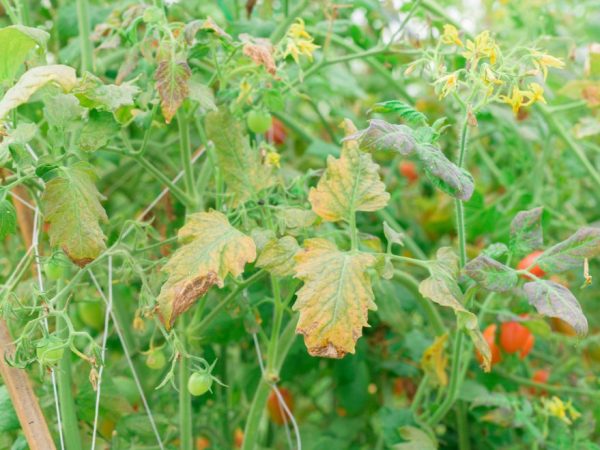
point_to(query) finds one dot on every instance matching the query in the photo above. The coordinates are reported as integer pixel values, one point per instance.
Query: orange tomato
(489, 334)
(202, 443)
(514, 338)
(408, 170)
(277, 133)
(528, 261)
(238, 438)
(540, 376)
(276, 412)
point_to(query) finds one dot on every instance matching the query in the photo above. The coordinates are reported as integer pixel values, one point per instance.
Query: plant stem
(409, 241)
(83, 20)
(186, 155)
(185, 400)
(462, 426)
(264, 386)
(271, 372)
(65, 385)
(353, 232)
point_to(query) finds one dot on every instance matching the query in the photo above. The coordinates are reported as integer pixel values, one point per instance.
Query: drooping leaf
(491, 274)
(442, 288)
(415, 438)
(434, 361)
(34, 79)
(172, 76)
(335, 298)
(243, 170)
(570, 253)
(277, 256)
(444, 174)
(349, 184)
(16, 42)
(8, 219)
(71, 205)
(554, 300)
(212, 249)
(526, 231)
(381, 135)
(97, 131)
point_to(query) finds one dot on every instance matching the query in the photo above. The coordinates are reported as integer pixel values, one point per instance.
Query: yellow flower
(489, 77)
(537, 93)
(557, 408)
(482, 47)
(273, 159)
(245, 92)
(299, 42)
(450, 83)
(542, 61)
(516, 100)
(450, 36)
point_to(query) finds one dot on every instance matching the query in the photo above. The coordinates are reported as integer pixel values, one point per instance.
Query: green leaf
(94, 94)
(34, 79)
(172, 76)
(15, 44)
(349, 184)
(526, 231)
(62, 110)
(444, 174)
(554, 300)
(243, 170)
(335, 298)
(277, 256)
(212, 249)
(415, 438)
(442, 288)
(71, 205)
(405, 111)
(202, 94)
(384, 136)
(8, 219)
(20, 135)
(97, 131)
(570, 253)
(8, 417)
(491, 274)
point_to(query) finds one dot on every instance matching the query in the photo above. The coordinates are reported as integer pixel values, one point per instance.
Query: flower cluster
(299, 42)
(555, 407)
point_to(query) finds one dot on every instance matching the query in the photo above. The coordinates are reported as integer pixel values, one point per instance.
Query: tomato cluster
(512, 338)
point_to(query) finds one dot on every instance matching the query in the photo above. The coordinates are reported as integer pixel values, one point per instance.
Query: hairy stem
(186, 155)
(185, 400)
(83, 20)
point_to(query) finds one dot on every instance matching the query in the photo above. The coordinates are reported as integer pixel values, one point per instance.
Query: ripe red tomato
(514, 338)
(277, 133)
(408, 170)
(540, 376)
(528, 261)
(489, 334)
(276, 412)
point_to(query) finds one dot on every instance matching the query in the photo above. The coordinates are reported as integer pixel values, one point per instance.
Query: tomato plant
(388, 207)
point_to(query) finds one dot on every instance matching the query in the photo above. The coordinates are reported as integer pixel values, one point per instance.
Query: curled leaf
(212, 249)
(381, 135)
(335, 298)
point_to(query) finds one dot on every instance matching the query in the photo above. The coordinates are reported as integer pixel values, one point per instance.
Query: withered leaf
(172, 76)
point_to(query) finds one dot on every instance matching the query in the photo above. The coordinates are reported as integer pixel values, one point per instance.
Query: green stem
(409, 241)
(65, 385)
(462, 426)
(185, 400)
(264, 387)
(186, 155)
(353, 232)
(83, 20)
(271, 372)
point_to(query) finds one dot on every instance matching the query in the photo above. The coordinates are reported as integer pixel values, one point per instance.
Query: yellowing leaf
(335, 298)
(34, 79)
(442, 288)
(434, 361)
(243, 170)
(72, 208)
(16, 42)
(172, 78)
(212, 249)
(350, 183)
(278, 256)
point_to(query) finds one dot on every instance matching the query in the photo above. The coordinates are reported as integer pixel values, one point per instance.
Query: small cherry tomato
(277, 133)
(528, 261)
(276, 412)
(489, 334)
(54, 269)
(408, 170)
(259, 121)
(515, 337)
(199, 383)
(156, 359)
(49, 351)
(202, 443)
(91, 314)
(539, 376)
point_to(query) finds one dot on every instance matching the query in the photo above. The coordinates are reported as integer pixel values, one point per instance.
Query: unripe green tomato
(259, 121)
(91, 314)
(156, 360)
(199, 383)
(53, 269)
(49, 351)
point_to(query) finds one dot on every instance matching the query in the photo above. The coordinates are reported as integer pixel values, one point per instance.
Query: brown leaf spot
(261, 52)
(187, 292)
(81, 262)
